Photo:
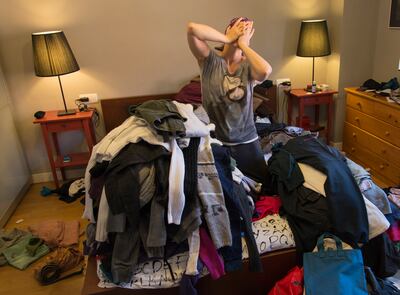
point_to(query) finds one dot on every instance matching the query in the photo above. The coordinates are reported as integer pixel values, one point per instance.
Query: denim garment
(239, 216)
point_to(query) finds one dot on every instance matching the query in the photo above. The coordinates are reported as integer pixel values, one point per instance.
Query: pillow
(190, 93)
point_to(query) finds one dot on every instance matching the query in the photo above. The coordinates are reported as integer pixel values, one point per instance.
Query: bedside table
(52, 124)
(305, 98)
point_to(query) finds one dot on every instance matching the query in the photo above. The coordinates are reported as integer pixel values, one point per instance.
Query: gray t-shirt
(228, 100)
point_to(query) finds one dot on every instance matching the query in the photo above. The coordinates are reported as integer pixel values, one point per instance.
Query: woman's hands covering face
(248, 32)
(234, 32)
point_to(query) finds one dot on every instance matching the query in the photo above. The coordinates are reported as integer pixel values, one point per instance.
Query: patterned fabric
(271, 233)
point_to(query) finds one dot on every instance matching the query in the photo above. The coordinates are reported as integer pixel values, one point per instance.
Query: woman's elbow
(268, 72)
(264, 74)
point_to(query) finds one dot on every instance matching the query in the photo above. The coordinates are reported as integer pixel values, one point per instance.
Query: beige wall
(357, 47)
(387, 49)
(130, 47)
(15, 175)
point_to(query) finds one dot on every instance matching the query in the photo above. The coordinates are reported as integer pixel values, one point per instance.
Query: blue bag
(334, 271)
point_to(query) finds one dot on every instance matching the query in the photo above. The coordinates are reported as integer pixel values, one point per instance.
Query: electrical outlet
(93, 98)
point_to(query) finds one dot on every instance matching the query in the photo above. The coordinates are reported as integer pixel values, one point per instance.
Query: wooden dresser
(371, 135)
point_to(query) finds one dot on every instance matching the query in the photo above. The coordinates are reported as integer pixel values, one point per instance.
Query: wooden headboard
(115, 110)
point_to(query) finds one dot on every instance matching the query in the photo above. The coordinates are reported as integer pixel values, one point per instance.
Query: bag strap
(320, 243)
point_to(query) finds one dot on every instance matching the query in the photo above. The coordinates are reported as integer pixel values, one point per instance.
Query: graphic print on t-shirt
(234, 88)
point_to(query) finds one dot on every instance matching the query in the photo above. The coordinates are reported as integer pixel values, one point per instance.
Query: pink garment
(209, 255)
(267, 205)
(394, 231)
(56, 232)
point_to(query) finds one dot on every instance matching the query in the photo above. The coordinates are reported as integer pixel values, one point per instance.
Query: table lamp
(53, 56)
(313, 40)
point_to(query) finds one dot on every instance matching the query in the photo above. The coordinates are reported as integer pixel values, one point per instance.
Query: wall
(387, 49)
(131, 47)
(15, 175)
(357, 47)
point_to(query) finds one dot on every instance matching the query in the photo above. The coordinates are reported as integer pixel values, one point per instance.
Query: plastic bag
(291, 284)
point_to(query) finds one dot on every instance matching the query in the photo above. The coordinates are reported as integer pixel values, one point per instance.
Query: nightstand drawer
(360, 104)
(316, 100)
(377, 127)
(387, 151)
(64, 126)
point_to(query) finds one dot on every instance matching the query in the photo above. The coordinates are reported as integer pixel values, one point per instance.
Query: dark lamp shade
(52, 54)
(313, 39)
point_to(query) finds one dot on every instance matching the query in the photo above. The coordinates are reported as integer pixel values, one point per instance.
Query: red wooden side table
(53, 124)
(305, 98)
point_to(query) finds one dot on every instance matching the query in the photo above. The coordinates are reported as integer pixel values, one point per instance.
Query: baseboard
(338, 145)
(48, 176)
(21, 194)
(43, 177)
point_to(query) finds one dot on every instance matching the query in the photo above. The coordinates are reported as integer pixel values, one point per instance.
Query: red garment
(267, 205)
(209, 255)
(394, 231)
(190, 93)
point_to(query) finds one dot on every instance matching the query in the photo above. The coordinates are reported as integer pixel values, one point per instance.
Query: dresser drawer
(377, 127)
(359, 103)
(387, 151)
(371, 160)
(379, 179)
(388, 114)
(63, 126)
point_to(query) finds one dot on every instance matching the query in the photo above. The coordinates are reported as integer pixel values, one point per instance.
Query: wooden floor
(32, 209)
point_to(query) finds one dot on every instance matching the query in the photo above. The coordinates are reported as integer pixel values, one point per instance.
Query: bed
(275, 264)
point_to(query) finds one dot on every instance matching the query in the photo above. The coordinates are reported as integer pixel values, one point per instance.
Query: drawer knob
(383, 151)
(353, 149)
(359, 104)
(354, 134)
(357, 119)
(387, 133)
(390, 116)
(381, 166)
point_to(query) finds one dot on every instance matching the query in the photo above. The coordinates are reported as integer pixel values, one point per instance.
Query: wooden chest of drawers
(371, 135)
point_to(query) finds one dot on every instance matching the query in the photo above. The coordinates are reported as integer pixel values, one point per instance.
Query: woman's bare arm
(198, 34)
(260, 68)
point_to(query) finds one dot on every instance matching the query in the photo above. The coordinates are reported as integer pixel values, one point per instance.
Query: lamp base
(66, 113)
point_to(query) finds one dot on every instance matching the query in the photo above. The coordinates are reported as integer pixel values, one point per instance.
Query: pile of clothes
(158, 185)
(20, 248)
(389, 89)
(160, 188)
(323, 191)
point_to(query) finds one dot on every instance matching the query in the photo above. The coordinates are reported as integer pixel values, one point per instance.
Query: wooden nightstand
(53, 124)
(312, 99)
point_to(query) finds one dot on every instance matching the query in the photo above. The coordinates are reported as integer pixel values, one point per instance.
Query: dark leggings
(250, 160)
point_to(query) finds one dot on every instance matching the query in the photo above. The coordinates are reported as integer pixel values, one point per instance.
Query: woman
(227, 81)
